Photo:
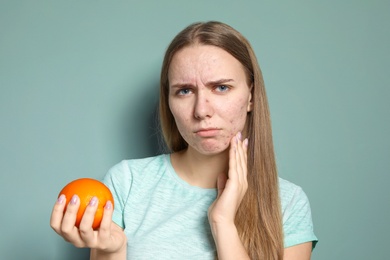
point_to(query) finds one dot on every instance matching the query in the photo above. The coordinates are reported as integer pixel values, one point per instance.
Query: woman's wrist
(99, 254)
(112, 253)
(223, 229)
(228, 242)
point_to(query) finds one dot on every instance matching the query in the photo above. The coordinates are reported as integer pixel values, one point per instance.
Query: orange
(87, 188)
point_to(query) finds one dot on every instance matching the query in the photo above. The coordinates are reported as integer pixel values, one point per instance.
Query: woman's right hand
(109, 240)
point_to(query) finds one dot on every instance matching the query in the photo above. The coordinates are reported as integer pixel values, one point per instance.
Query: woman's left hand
(231, 187)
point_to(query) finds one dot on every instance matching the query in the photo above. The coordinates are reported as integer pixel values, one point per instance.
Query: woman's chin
(212, 149)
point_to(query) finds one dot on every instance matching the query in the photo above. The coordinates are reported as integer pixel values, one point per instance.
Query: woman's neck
(199, 169)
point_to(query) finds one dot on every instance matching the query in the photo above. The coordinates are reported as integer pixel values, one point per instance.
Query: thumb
(221, 183)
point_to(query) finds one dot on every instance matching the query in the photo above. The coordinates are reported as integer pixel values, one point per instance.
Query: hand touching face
(209, 97)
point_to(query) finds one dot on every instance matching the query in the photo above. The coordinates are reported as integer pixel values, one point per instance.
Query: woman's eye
(184, 91)
(222, 88)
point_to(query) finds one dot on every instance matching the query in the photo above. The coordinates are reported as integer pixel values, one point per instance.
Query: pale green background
(79, 80)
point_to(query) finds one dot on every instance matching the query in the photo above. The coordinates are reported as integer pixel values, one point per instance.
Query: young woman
(217, 194)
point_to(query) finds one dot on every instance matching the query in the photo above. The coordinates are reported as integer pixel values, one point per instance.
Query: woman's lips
(207, 132)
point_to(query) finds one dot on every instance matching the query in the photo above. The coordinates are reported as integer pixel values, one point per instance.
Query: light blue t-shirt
(166, 218)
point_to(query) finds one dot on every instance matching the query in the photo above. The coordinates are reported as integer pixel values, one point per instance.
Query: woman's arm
(298, 252)
(231, 190)
(228, 243)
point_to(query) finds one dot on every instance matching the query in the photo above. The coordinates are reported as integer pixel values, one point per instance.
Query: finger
(57, 214)
(245, 156)
(232, 174)
(246, 142)
(105, 225)
(244, 163)
(87, 233)
(71, 212)
(68, 229)
(240, 164)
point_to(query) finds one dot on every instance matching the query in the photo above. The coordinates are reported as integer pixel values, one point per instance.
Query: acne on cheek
(227, 138)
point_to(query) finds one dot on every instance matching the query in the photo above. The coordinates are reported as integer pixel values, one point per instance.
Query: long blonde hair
(258, 219)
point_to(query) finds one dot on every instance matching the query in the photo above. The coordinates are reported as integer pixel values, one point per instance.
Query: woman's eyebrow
(181, 85)
(209, 83)
(218, 82)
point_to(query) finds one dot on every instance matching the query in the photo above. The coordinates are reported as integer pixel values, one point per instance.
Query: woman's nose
(203, 107)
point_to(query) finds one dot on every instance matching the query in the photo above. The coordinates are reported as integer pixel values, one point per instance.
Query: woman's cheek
(237, 118)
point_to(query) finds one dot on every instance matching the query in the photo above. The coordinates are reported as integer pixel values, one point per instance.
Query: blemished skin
(209, 98)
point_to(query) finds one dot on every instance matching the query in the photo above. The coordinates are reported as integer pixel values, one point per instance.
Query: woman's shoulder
(297, 220)
(151, 160)
(291, 194)
(286, 186)
(130, 171)
(135, 168)
(139, 163)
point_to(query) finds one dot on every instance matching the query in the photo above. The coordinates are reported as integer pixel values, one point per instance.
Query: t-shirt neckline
(182, 182)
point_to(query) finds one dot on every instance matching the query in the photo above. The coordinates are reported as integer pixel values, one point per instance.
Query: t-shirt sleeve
(297, 220)
(119, 179)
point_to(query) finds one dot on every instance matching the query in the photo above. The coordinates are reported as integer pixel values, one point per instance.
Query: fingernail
(108, 205)
(61, 199)
(239, 136)
(74, 199)
(93, 201)
(246, 142)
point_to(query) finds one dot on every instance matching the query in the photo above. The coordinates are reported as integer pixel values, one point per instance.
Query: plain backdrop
(79, 91)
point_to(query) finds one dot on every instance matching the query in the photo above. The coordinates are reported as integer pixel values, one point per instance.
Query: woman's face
(209, 97)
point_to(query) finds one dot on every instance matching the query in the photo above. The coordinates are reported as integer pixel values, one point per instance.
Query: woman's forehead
(205, 63)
